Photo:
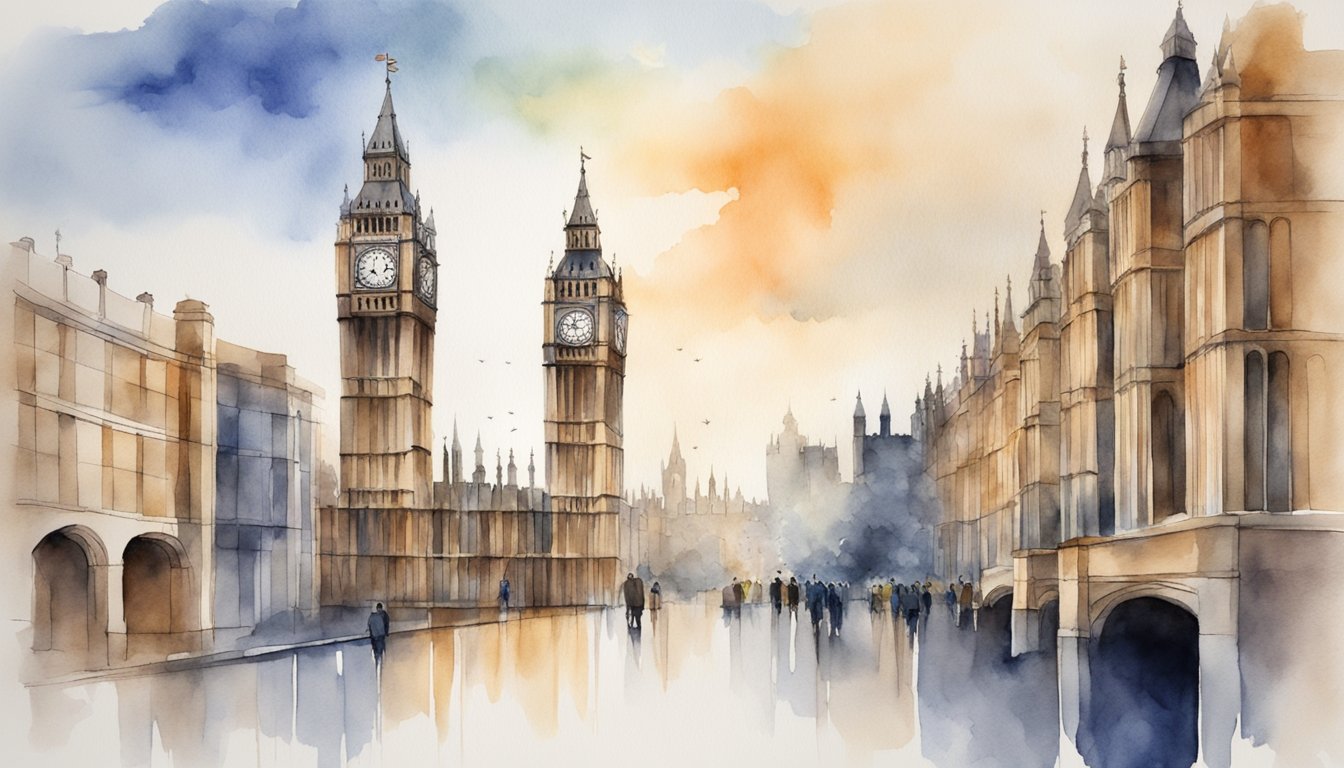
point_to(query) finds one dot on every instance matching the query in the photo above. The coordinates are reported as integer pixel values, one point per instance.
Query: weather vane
(391, 65)
(582, 157)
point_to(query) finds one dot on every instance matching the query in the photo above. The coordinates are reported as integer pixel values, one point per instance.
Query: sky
(813, 198)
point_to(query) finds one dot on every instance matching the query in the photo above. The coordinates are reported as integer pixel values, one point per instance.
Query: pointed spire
(858, 406)
(998, 321)
(1178, 43)
(456, 445)
(886, 409)
(1082, 195)
(1120, 132)
(345, 201)
(480, 452)
(386, 138)
(582, 214)
(1009, 321)
(429, 222)
(1041, 264)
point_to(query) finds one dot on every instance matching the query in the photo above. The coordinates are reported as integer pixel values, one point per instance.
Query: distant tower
(386, 294)
(674, 476)
(884, 418)
(860, 429)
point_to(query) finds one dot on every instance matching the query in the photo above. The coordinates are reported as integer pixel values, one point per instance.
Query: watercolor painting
(436, 382)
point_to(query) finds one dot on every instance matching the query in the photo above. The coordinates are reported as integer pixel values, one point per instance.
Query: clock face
(426, 280)
(376, 268)
(575, 327)
(622, 320)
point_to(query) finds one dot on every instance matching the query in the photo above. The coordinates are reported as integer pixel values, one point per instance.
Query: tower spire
(1082, 195)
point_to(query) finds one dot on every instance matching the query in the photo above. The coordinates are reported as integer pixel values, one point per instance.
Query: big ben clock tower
(386, 294)
(585, 323)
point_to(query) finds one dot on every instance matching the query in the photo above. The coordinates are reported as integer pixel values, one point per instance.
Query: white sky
(811, 199)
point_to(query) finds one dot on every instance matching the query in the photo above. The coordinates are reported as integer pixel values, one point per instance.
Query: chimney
(100, 277)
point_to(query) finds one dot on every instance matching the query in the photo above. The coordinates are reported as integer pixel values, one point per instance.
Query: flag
(391, 62)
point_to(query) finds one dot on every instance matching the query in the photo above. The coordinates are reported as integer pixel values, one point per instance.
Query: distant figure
(964, 605)
(746, 590)
(926, 599)
(910, 603)
(975, 609)
(950, 597)
(730, 598)
(633, 591)
(875, 599)
(835, 603)
(777, 594)
(793, 596)
(816, 602)
(655, 597)
(504, 594)
(739, 594)
(895, 601)
(379, 624)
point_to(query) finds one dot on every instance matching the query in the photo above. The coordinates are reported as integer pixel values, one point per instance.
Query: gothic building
(395, 535)
(1161, 440)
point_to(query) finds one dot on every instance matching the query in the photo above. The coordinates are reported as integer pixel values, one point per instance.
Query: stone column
(1219, 671)
(197, 435)
(1075, 677)
(110, 581)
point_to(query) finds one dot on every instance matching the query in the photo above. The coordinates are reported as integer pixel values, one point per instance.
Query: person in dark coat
(816, 602)
(926, 600)
(504, 592)
(964, 617)
(793, 595)
(950, 597)
(655, 596)
(910, 603)
(836, 605)
(776, 594)
(633, 591)
(379, 624)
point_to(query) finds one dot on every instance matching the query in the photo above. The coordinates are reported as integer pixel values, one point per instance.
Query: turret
(884, 419)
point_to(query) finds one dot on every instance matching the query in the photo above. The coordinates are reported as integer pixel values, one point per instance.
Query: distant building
(796, 469)
(882, 452)
(696, 540)
(165, 481)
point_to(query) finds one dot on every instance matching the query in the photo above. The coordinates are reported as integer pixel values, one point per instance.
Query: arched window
(1168, 458)
(1254, 456)
(1255, 277)
(1280, 275)
(1278, 446)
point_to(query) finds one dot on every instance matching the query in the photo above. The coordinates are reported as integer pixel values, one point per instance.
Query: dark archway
(156, 595)
(64, 602)
(1144, 704)
(1048, 627)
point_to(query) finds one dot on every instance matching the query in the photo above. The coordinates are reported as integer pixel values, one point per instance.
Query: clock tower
(583, 354)
(386, 294)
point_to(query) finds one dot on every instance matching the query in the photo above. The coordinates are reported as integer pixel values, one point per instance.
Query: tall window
(1168, 458)
(1255, 277)
(1255, 431)
(1279, 468)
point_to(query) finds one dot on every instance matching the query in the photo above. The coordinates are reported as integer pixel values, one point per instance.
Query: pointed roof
(886, 409)
(1120, 131)
(1178, 40)
(1082, 194)
(1177, 89)
(858, 405)
(675, 455)
(582, 214)
(1009, 323)
(386, 138)
(456, 445)
(1041, 263)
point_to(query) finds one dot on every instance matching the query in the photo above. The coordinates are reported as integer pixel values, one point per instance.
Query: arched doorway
(156, 594)
(68, 614)
(1144, 703)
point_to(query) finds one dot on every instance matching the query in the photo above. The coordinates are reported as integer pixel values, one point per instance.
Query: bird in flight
(510, 413)
(832, 399)
(479, 360)
(678, 349)
(695, 447)
(508, 362)
(489, 417)
(705, 422)
(515, 429)
(697, 359)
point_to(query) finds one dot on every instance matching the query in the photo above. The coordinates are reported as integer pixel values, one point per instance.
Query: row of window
(573, 289)
(376, 225)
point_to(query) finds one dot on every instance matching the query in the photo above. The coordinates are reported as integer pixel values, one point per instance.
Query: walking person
(950, 598)
(816, 602)
(964, 605)
(910, 603)
(655, 597)
(739, 594)
(835, 603)
(379, 624)
(793, 595)
(926, 601)
(633, 592)
(504, 595)
(777, 593)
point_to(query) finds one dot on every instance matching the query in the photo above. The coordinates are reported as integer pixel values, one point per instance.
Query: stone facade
(165, 480)
(1194, 375)
(398, 537)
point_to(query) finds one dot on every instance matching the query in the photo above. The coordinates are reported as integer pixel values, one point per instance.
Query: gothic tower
(386, 293)
(583, 355)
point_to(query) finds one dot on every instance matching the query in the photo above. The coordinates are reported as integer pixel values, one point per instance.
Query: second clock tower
(386, 298)
(583, 353)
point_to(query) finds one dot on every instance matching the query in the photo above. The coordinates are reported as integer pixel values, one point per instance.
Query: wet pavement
(691, 688)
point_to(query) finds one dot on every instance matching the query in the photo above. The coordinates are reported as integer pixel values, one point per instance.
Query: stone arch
(157, 592)
(1176, 594)
(996, 594)
(69, 595)
(1044, 595)
(1143, 706)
